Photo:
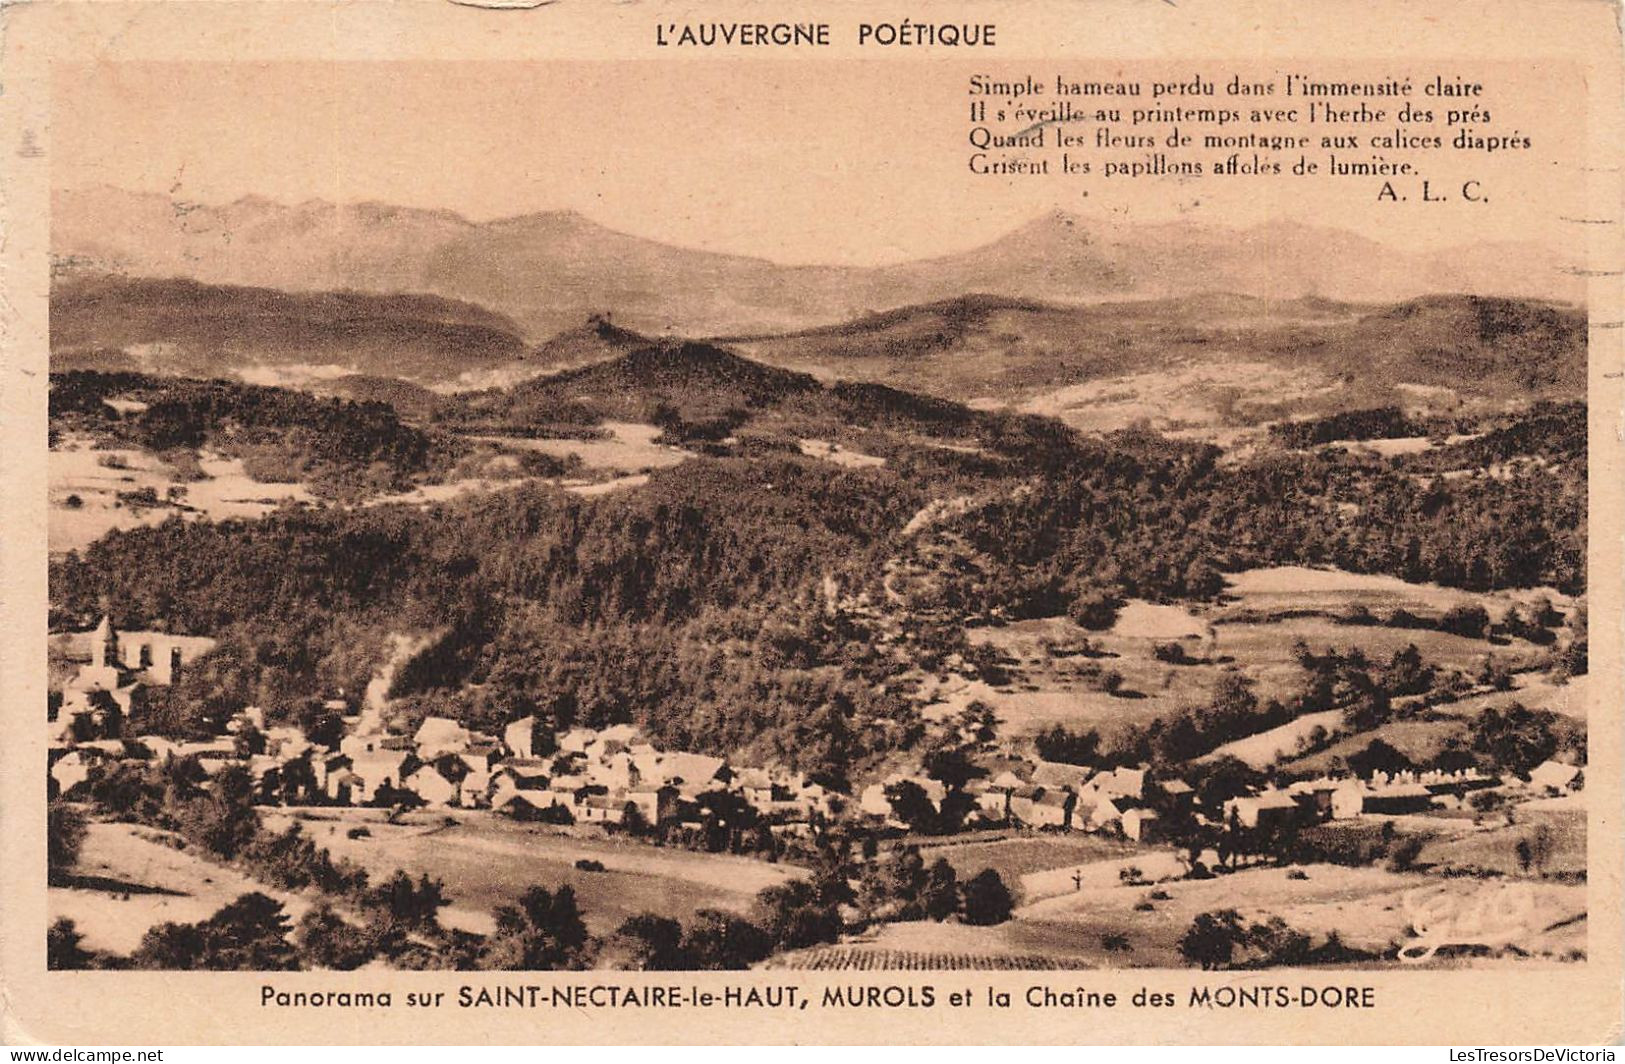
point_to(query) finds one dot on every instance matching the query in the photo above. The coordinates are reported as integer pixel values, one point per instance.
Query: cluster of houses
(610, 776)
(1129, 803)
(1390, 794)
(614, 777)
(1049, 794)
(1344, 798)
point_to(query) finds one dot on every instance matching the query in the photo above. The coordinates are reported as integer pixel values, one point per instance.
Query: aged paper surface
(1043, 523)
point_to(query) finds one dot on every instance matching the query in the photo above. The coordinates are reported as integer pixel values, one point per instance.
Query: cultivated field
(1047, 691)
(1017, 858)
(1419, 740)
(126, 881)
(1530, 689)
(1254, 632)
(875, 959)
(85, 483)
(487, 861)
(1210, 394)
(1366, 907)
(1296, 587)
(1279, 743)
(76, 471)
(631, 448)
(910, 946)
(1495, 848)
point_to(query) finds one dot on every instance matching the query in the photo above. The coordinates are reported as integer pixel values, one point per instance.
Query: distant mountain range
(1208, 352)
(550, 271)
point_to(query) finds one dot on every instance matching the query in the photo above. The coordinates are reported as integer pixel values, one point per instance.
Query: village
(613, 780)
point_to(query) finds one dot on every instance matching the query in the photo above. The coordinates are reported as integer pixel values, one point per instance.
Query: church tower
(104, 645)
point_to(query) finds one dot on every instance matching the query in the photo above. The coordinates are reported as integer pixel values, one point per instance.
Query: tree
(794, 915)
(248, 741)
(1378, 756)
(1095, 608)
(722, 941)
(248, 934)
(297, 782)
(939, 897)
(1469, 620)
(891, 886)
(1407, 673)
(1513, 623)
(1212, 938)
(1495, 674)
(1534, 851)
(952, 767)
(653, 943)
(633, 822)
(726, 817)
(1276, 944)
(1516, 738)
(321, 725)
(400, 906)
(326, 940)
(544, 932)
(1482, 802)
(1402, 857)
(223, 819)
(64, 835)
(1172, 652)
(62, 947)
(1574, 658)
(1073, 748)
(1221, 779)
(981, 719)
(985, 900)
(131, 792)
(171, 946)
(911, 805)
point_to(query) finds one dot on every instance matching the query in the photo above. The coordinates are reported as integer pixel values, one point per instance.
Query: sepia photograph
(528, 593)
(869, 518)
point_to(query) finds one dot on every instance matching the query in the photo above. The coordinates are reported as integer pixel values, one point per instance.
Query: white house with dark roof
(379, 770)
(1141, 825)
(439, 735)
(1265, 809)
(520, 736)
(432, 785)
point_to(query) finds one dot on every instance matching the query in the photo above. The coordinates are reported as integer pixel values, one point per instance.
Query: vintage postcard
(818, 522)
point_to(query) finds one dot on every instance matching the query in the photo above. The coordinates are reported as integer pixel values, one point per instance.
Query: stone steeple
(104, 644)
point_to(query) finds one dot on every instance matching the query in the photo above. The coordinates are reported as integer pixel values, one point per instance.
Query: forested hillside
(342, 447)
(696, 603)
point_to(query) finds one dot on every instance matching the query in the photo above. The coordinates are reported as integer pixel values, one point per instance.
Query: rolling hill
(1211, 359)
(183, 327)
(411, 401)
(1004, 350)
(687, 379)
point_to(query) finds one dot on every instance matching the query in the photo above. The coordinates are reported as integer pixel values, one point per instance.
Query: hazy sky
(838, 161)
